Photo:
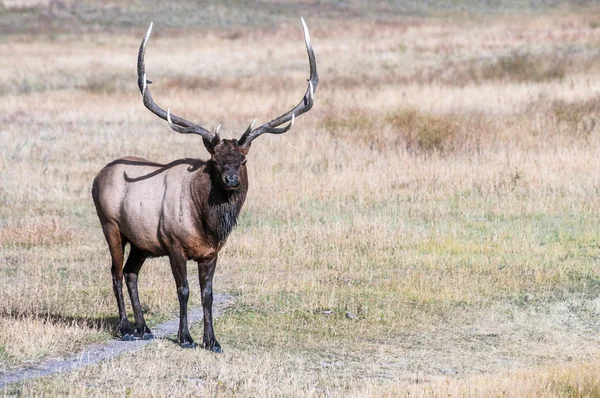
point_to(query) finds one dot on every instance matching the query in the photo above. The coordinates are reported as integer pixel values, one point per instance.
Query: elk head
(229, 163)
(229, 156)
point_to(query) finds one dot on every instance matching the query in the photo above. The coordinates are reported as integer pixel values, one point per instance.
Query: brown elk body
(184, 210)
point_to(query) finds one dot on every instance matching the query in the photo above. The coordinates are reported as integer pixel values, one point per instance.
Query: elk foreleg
(179, 269)
(206, 270)
(131, 271)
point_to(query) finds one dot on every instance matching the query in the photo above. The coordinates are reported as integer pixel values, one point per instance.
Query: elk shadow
(108, 324)
(193, 165)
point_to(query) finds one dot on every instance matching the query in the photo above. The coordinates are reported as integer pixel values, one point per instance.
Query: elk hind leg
(131, 271)
(116, 245)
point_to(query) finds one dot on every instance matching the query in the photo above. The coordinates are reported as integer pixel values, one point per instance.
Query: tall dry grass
(419, 228)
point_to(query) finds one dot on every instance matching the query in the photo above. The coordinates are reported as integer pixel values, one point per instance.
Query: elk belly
(140, 222)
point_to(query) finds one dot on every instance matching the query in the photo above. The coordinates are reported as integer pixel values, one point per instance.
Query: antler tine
(281, 130)
(177, 123)
(180, 129)
(249, 129)
(304, 105)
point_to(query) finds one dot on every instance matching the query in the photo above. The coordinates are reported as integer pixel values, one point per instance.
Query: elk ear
(210, 145)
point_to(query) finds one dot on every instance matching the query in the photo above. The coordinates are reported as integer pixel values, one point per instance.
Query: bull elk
(185, 209)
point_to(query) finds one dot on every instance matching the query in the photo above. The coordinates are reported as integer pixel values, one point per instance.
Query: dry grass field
(430, 228)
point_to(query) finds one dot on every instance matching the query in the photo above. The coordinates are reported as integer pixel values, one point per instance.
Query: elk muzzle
(230, 179)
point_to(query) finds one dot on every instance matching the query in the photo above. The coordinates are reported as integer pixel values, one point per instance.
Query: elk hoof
(188, 344)
(148, 336)
(214, 347)
(128, 337)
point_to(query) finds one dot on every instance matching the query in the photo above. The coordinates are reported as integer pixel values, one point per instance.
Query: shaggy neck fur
(223, 207)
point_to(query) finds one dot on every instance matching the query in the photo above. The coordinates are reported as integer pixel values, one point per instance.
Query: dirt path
(112, 349)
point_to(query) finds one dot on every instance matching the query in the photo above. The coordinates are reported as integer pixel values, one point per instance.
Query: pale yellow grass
(570, 380)
(362, 265)
(236, 373)
(30, 339)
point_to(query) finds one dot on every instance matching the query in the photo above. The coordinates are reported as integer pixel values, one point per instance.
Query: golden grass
(283, 374)
(29, 338)
(417, 232)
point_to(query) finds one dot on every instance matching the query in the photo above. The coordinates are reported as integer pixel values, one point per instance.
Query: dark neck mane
(220, 208)
(223, 210)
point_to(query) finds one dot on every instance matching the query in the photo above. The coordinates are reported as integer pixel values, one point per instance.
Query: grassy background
(68, 16)
(429, 228)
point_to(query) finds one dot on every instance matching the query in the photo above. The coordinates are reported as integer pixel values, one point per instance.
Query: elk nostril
(231, 180)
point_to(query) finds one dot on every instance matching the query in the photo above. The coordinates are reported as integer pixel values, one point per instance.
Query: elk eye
(244, 162)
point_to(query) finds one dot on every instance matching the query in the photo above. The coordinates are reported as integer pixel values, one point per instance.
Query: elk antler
(272, 127)
(178, 124)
